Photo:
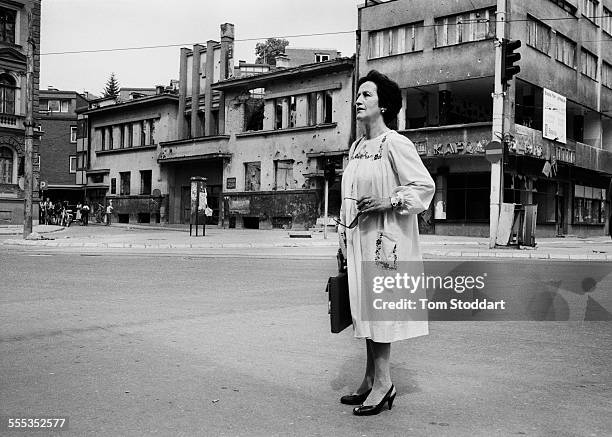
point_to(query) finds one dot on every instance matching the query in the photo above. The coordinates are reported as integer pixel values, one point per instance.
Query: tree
(112, 87)
(267, 51)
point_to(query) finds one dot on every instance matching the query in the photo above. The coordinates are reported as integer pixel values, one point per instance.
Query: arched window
(7, 94)
(7, 25)
(6, 165)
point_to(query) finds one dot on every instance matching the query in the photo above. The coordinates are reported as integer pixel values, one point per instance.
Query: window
(589, 9)
(113, 186)
(6, 165)
(467, 27)
(566, 51)
(588, 64)
(7, 25)
(327, 106)
(252, 177)
(565, 5)
(53, 105)
(151, 132)
(320, 57)
(606, 20)
(589, 205)
(145, 182)
(73, 134)
(283, 171)
(129, 135)
(73, 164)
(124, 178)
(396, 40)
(7, 94)
(278, 113)
(292, 111)
(253, 114)
(312, 109)
(103, 138)
(121, 136)
(82, 128)
(538, 35)
(467, 197)
(606, 74)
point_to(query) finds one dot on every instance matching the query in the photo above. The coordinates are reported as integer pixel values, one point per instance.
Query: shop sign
(459, 148)
(566, 155)
(239, 206)
(554, 116)
(526, 142)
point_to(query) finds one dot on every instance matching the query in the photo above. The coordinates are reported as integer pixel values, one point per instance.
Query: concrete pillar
(195, 92)
(227, 50)
(210, 72)
(401, 117)
(180, 122)
(269, 110)
(301, 110)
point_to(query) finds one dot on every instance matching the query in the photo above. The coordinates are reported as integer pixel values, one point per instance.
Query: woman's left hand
(368, 204)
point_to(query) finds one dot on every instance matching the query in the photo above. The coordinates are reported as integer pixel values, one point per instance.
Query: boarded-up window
(252, 179)
(283, 170)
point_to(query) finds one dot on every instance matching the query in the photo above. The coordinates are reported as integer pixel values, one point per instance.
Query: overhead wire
(478, 20)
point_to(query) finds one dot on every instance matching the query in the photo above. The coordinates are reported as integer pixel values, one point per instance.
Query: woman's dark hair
(389, 94)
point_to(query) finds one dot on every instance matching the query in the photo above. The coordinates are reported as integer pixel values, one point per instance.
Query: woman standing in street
(384, 186)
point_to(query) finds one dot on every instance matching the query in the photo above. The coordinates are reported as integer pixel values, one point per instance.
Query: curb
(426, 253)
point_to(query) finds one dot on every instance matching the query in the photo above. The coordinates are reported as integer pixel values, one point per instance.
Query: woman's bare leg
(382, 374)
(368, 378)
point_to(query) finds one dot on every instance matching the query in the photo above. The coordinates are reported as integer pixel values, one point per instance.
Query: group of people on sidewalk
(61, 214)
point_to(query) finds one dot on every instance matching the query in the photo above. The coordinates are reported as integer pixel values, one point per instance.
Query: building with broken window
(258, 135)
(557, 127)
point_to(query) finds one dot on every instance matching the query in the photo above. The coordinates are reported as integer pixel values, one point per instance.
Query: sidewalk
(153, 237)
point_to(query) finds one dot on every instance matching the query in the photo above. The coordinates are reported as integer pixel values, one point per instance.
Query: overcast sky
(71, 25)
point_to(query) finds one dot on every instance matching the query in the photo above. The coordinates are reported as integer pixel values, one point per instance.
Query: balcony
(194, 149)
(12, 121)
(451, 141)
(530, 142)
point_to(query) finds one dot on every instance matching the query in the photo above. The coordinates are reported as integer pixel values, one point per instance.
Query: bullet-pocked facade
(442, 54)
(260, 139)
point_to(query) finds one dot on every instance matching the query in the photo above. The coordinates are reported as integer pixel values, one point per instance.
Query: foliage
(112, 87)
(267, 51)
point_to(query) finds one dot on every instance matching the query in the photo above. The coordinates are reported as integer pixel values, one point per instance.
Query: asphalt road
(187, 345)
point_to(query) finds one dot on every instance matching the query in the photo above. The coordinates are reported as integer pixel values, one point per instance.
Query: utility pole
(29, 132)
(498, 124)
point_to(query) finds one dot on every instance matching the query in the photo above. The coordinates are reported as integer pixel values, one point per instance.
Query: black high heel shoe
(371, 410)
(355, 399)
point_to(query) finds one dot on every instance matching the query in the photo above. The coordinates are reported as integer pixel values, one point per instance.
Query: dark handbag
(339, 306)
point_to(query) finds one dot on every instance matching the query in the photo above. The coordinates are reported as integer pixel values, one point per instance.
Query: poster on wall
(554, 116)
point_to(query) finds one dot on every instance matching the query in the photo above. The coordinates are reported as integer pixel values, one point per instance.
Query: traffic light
(509, 58)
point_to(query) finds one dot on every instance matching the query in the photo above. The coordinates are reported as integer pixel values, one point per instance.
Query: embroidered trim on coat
(385, 264)
(366, 155)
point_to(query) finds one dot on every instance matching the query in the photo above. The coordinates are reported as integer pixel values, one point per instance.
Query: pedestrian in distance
(109, 212)
(85, 214)
(384, 186)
